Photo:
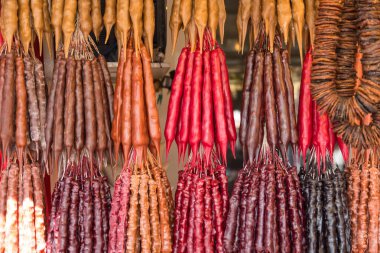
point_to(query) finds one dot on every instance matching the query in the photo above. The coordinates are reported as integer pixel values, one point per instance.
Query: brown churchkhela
(23, 103)
(270, 104)
(77, 112)
(7, 104)
(81, 202)
(343, 86)
(34, 115)
(21, 113)
(99, 110)
(70, 101)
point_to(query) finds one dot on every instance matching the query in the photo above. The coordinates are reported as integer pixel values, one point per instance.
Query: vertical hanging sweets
(79, 108)
(200, 119)
(327, 222)
(78, 130)
(266, 211)
(78, 136)
(78, 114)
(27, 19)
(22, 95)
(288, 15)
(324, 187)
(201, 63)
(363, 194)
(315, 129)
(22, 113)
(80, 210)
(23, 100)
(266, 208)
(142, 204)
(22, 214)
(345, 85)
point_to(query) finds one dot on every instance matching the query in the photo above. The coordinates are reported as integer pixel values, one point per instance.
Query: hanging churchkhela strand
(78, 117)
(327, 217)
(345, 86)
(22, 108)
(142, 204)
(266, 211)
(80, 210)
(200, 120)
(363, 194)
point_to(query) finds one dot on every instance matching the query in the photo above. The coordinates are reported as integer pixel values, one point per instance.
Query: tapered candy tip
(232, 146)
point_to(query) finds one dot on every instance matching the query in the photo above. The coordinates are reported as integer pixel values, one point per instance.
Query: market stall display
(79, 218)
(79, 124)
(22, 212)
